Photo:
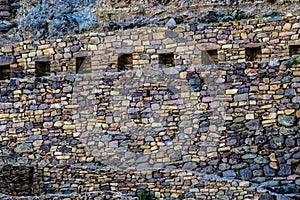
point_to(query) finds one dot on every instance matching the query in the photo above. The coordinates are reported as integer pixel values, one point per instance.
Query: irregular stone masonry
(275, 38)
(154, 127)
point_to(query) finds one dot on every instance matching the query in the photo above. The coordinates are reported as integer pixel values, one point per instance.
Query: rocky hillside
(36, 19)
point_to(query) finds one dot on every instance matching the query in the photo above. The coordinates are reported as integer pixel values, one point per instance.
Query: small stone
(267, 197)
(269, 171)
(241, 97)
(229, 174)
(296, 99)
(143, 159)
(290, 141)
(274, 19)
(171, 23)
(272, 157)
(284, 170)
(286, 120)
(296, 155)
(67, 89)
(23, 148)
(70, 77)
(149, 139)
(189, 166)
(290, 92)
(274, 165)
(277, 142)
(246, 174)
(253, 124)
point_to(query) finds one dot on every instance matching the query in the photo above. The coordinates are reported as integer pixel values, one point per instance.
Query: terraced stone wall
(246, 40)
(236, 120)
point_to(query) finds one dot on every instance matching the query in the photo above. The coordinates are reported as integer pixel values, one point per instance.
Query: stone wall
(267, 38)
(168, 122)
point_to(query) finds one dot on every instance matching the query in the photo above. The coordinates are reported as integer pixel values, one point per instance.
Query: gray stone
(189, 166)
(224, 166)
(277, 142)
(43, 58)
(185, 124)
(290, 141)
(253, 124)
(7, 60)
(241, 97)
(149, 139)
(274, 63)
(106, 137)
(296, 155)
(239, 166)
(268, 171)
(249, 156)
(2, 128)
(229, 174)
(75, 49)
(274, 19)
(4, 106)
(69, 18)
(296, 99)
(284, 170)
(246, 174)
(143, 159)
(129, 155)
(171, 34)
(171, 23)
(24, 148)
(290, 92)
(67, 89)
(70, 77)
(143, 166)
(267, 197)
(286, 120)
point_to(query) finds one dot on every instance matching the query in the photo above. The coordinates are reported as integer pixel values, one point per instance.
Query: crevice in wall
(125, 62)
(253, 54)
(166, 59)
(294, 50)
(42, 68)
(4, 72)
(83, 64)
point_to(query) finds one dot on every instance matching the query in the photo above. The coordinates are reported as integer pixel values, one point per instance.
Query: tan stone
(250, 72)
(272, 157)
(289, 111)
(274, 165)
(298, 114)
(287, 27)
(231, 91)
(296, 26)
(274, 87)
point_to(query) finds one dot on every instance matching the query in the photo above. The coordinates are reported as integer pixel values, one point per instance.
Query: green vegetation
(294, 60)
(146, 195)
(270, 14)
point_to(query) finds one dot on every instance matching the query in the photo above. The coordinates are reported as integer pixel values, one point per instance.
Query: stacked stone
(165, 184)
(16, 180)
(238, 121)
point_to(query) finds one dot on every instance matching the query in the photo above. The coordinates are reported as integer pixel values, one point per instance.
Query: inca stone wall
(177, 125)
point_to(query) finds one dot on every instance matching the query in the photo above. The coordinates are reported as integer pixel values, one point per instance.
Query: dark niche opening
(83, 64)
(4, 72)
(166, 59)
(42, 68)
(253, 54)
(294, 50)
(210, 57)
(125, 62)
(16, 180)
